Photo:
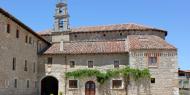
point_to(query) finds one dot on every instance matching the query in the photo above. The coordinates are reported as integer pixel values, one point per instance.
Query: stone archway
(90, 88)
(49, 85)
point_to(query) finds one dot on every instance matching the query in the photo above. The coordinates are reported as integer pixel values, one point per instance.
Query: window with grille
(90, 64)
(152, 61)
(116, 63)
(73, 83)
(50, 59)
(116, 84)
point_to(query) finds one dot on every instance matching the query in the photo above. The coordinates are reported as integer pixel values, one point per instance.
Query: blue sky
(171, 15)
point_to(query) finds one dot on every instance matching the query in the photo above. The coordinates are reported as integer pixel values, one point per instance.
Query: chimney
(61, 45)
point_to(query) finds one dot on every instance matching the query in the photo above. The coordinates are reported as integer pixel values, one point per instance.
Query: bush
(60, 93)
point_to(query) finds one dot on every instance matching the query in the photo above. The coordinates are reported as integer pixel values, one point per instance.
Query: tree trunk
(126, 83)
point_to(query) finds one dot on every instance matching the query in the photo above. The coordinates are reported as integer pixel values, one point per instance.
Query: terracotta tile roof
(45, 33)
(115, 27)
(88, 47)
(147, 42)
(129, 26)
(183, 71)
(133, 42)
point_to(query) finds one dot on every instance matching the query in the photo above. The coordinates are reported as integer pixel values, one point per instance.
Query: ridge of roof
(111, 27)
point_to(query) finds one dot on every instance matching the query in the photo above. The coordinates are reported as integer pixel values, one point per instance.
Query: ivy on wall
(135, 74)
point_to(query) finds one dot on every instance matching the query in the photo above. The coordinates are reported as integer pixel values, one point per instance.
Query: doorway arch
(49, 85)
(90, 88)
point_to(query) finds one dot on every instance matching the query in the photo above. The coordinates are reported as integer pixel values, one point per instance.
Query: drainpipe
(65, 75)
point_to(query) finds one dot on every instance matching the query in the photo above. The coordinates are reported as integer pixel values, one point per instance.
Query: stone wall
(165, 73)
(12, 47)
(110, 35)
(60, 65)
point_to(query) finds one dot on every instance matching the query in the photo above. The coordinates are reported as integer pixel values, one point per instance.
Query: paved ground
(184, 92)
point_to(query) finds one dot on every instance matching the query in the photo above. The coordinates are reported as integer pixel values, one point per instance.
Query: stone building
(184, 79)
(35, 64)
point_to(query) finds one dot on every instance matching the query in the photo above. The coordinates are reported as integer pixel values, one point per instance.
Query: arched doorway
(90, 88)
(49, 85)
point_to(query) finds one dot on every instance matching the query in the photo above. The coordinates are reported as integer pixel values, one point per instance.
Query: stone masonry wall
(60, 65)
(12, 47)
(110, 35)
(165, 73)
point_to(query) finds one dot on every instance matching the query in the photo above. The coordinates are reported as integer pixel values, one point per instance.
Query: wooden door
(90, 88)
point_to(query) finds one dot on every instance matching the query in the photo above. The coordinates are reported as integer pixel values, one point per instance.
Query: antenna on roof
(61, 18)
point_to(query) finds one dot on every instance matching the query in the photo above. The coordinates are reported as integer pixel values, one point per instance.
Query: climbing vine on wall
(101, 77)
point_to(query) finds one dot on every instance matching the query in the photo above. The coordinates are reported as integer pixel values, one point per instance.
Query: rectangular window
(30, 40)
(35, 84)
(15, 83)
(50, 59)
(28, 84)
(25, 66)
(116, 84)
(72, 64)
(8, 28)
(34, 67)
(152, 80)
(152, 61)
(73, 83)
(14, 64)
(90, 64)
(17, 33)
(116, 64)
(26, 39)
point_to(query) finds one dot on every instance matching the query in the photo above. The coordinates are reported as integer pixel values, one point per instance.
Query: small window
(75, 36)
(28, 84)
(14, 64)
(152, 61)
(116, 84)
(8, 28)
(35, 84)
(116, 64)
(15, 83)
(25, 66)
(26, 39)
(30, 40)
(34, 67)
(73, 83)
(50, 59)
(17, 33)
(104, 35)
(121, 34)
(90, 64)
(61, 24)
(152, 80)
(72, 64)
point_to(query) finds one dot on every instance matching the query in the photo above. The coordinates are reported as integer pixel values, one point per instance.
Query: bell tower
(61, 18)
